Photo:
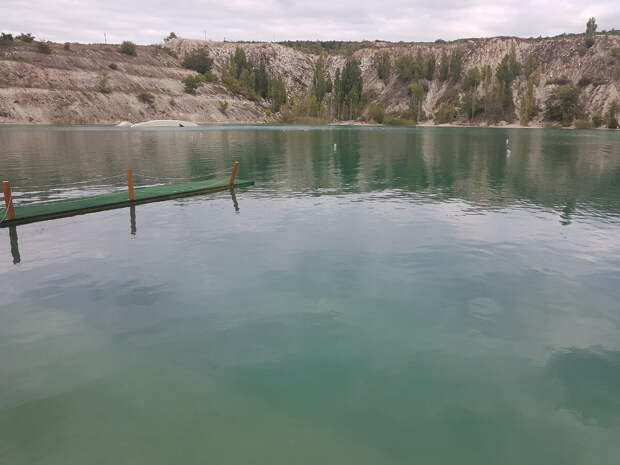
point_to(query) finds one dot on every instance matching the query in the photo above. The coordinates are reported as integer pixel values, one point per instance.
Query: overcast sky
(148, 21)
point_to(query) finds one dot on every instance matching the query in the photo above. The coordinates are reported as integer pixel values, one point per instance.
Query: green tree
(384, 65)
(320, 80)
(349, 90)
(240, 61)
(472, 79)
(246, 79)
(590, 32)
(128, 48)
(192, 82)
(528, 103)
(507, 71)
(261, 80)
(509, 68)
(198, 60)
(277, 93)
(563, 105)
(444, 67)
(417, 98)
(171, 36)
(429, 68)
(405, 68)
(529, 66)
(456, 64)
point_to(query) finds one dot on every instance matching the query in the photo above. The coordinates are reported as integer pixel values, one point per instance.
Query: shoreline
(425, 124)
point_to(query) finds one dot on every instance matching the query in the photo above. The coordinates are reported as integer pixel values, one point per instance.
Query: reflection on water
(388, 296)
(591, 379)
(548, 168)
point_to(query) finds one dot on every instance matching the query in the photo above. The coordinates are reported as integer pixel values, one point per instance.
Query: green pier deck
(42, 211)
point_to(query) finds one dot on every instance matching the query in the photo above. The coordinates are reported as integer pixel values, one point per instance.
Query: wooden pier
(41, 211)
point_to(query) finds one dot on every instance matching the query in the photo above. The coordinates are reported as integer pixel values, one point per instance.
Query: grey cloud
(149, 21)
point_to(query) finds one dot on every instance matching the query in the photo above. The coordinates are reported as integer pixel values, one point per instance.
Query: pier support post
(130, 184)
(132, 219)
(14, 244)
(8, 201)
(234, 173)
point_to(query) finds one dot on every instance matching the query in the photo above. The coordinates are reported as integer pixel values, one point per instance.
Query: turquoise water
(413, 296)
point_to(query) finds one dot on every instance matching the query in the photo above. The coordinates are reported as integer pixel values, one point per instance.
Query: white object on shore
(165, 123)
(124, 124)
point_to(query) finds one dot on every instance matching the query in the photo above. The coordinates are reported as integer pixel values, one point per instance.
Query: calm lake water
(380, 296)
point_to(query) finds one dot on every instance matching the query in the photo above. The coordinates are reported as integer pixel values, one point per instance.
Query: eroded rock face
(97, 84)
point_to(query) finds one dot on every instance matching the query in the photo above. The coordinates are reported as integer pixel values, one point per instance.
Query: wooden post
(8, 201)
(234, 173)
(130, 184)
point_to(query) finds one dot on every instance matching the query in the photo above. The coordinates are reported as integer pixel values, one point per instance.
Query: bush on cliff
(128, 48)
(563, 105)
(42, 47)
(27, 38)
(198, 60)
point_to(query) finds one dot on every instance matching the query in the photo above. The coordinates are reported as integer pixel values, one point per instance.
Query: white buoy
(335, 147)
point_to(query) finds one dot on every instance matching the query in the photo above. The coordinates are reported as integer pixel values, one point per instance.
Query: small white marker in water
(335, 147)
(508, 153)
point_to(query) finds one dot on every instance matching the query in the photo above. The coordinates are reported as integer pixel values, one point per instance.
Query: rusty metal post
(130, 184)
(8, 200)
(234, 173)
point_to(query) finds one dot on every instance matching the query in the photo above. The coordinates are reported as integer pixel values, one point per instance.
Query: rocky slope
(66, 85)
(98, 84)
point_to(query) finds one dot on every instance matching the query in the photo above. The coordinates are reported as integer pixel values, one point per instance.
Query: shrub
(612, 122)
(6, 39)
(268, 112)
(597, 120)
(171, 36)
(582, 50)
(113, 66)
(223, 106)
(376, 112)
(192, 82)
(384, 67)
(27, 38)
(210, 77)
(560, 81)
(583, 124)
(445, 114)
(392, 120)
(584, 81)
(198, 60)
(563, 105)
(103, 84)
(128, 48)
(42, 47)
(406, 68)
(67, 46)
(172, 101)
(146, 97)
